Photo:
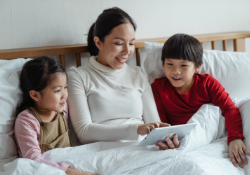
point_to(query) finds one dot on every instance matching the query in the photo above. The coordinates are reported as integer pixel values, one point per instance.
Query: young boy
(183, 91)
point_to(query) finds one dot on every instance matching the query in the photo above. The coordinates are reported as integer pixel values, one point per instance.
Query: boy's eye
(169, 64)
(183, 65)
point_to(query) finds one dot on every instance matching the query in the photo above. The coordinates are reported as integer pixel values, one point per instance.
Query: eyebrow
(123, 38)
(54, 87)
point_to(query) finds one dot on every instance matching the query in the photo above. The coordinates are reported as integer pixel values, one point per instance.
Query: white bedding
(203, 151)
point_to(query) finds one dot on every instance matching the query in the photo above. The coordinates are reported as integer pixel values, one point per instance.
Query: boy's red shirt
(175, 108)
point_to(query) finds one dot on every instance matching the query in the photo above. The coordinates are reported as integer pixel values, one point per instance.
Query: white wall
(33, 23)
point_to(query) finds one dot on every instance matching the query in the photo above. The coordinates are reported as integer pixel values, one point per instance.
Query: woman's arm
(85, 129)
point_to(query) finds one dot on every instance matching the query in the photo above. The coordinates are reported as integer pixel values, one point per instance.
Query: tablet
(159, 134)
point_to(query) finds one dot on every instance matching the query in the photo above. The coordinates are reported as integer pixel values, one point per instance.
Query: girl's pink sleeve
(27, 129)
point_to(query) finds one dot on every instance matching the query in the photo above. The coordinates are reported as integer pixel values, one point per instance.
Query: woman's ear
(98, 43)
(36, 96)
(197, 69)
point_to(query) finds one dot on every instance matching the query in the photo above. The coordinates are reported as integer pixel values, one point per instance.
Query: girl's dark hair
(106, 21)
(182, 46)
(36, 75)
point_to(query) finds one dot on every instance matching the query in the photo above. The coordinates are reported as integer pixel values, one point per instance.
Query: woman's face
(117, 46)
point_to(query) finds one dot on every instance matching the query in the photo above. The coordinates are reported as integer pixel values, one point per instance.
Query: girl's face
(54, 96)
(117, 46)
(180, 73)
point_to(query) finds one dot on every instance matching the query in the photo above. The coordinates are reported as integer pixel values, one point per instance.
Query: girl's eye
(57, 91)
(65, 87)
(119, 44)
(169, 64)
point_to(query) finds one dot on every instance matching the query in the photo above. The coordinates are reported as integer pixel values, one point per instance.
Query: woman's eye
(119, 44)
(65, 87)
(131, 44)
(57, 91)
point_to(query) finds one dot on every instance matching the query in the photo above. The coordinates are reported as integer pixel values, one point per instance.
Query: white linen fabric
(107, 104)
(203, 151)
(231, 69)
(10, 94)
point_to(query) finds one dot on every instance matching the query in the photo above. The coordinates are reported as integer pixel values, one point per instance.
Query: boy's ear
(197, 69)
(98, 43)
(36, 96)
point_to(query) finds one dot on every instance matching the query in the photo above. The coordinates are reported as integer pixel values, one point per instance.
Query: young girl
(183, 91)
(41, 123)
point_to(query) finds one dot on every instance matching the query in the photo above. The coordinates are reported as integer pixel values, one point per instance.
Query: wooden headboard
(61, 50)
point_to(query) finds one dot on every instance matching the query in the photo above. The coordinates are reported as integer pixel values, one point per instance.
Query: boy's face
(180, 73)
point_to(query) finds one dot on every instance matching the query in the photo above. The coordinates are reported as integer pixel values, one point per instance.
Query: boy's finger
(246, 150)
(163, 145)
(176, 141)
(164, 125)
(243, 156)
(232, 158)
(170, 143)
(238, 159)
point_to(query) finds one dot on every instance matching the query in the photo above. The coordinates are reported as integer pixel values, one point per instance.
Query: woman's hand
(237, 150)
(70, 171)
(144, 129)
(169, 143)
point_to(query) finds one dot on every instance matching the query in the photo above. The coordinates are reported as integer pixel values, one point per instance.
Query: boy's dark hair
(182, 46)
(36, 75)
(106, 21)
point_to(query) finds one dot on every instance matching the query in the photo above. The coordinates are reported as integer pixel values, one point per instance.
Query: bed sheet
(203, 151)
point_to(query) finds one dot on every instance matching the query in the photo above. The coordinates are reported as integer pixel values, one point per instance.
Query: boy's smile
(180, 73)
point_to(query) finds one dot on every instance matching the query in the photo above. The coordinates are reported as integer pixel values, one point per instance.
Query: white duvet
(203, 151)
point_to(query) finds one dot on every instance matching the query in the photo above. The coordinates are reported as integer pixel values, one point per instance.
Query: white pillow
(231, 69)
(10, 93)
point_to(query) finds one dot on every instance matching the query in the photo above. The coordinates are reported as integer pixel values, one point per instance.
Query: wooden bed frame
(61, 50)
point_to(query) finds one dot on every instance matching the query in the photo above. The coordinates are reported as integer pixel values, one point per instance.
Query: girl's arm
(26, 130)
(85, 129)
(231, 113)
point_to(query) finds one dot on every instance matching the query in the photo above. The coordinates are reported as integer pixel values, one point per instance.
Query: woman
(109, 100)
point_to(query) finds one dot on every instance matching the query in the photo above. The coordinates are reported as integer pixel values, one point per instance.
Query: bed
(206, 155)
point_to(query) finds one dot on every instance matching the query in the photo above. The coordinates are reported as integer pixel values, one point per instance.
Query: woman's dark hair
(182, 46)
(106, 21)
(36, 75)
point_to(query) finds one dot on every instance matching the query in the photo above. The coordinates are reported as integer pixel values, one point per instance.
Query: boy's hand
(169, 143)
(144, 129)
(237, 150)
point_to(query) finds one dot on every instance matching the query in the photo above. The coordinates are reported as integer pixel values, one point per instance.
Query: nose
(176, 70)
(64, 94)
(126, 49)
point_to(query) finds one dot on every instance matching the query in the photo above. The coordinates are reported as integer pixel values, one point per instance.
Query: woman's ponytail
(93, 50)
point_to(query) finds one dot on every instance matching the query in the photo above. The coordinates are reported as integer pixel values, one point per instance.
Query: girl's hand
(144, 129)
(237, 150)
(70, 171)
(169, 143)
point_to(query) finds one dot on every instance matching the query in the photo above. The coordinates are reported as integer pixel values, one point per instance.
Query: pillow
(10, 93)
(231, 69)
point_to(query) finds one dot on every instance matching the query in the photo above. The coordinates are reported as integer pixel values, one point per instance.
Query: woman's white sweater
(107, 104)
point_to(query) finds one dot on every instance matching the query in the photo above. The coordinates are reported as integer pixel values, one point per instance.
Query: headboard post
(239, 45)
(138, 56)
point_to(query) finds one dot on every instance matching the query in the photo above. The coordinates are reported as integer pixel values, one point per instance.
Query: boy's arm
(231, 113)
(159, 103)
